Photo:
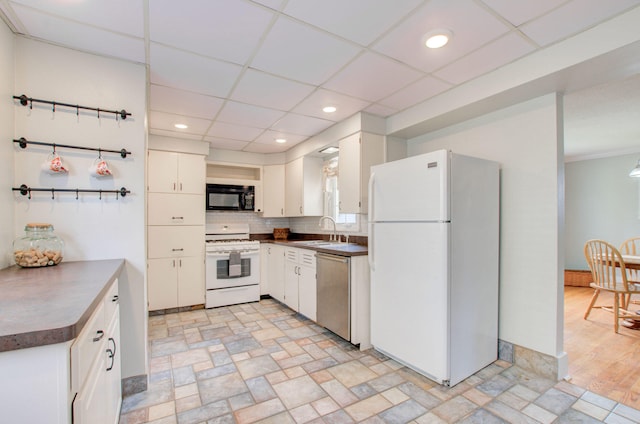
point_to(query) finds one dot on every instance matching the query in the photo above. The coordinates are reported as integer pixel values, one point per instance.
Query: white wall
(602, 202)
(6, 147)
(92, 228)
(524, 140)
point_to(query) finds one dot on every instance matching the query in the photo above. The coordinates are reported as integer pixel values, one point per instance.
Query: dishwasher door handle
(334, 258)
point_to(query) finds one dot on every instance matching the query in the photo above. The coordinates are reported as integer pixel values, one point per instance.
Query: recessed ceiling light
(329, 109)
(181, 126)
(437, 38)
(281, 140)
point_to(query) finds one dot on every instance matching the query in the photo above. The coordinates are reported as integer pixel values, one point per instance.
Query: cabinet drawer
(111, 302)
(175, 241)
(88, 347)
(308, 258)
(233, 295)
(291, 254)
(176, 209)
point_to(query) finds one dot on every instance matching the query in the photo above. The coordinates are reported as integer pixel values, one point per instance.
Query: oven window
(222, 268)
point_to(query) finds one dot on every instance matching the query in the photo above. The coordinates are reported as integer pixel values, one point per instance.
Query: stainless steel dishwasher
(334, 294)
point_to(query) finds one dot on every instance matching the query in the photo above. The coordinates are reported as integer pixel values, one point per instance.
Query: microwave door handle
(242, 201)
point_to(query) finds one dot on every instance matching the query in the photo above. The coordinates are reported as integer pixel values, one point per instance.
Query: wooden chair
(604, 261)
(632, 247)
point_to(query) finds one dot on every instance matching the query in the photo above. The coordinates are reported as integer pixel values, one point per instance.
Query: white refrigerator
(433, 256)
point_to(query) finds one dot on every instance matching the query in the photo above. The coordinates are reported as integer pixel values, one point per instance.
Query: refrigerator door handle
(371, 218)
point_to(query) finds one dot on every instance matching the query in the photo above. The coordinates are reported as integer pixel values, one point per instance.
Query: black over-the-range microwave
(226, 197)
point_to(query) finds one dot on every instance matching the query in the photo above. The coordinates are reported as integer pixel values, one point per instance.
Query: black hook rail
(26, 191)
(23, 142)
(24, 101)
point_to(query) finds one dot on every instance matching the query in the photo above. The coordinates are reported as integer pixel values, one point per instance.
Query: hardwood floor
(600, 360)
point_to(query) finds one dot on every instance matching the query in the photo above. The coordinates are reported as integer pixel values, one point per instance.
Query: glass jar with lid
(39, 247)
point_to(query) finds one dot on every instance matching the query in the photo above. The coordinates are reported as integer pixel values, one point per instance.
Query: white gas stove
(232, 271)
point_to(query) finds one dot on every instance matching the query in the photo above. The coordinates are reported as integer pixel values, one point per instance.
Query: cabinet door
(293, 188)
(175, 209)
(276, 272)
(190, 281)
(162, 171)
(273, 191)
(264, 268)
(191, 173)
(89, 406)
(291, 284)
(162, 283)
(349, 175)
(113, 371)
(175, 241)
(307, 295)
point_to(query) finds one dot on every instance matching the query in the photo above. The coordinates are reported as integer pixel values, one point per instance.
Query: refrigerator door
(411, 189)
(410, 295)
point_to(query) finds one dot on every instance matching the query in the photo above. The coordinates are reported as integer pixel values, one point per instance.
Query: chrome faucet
(334, 236)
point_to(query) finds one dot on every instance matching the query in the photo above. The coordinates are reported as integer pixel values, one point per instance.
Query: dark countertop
(346, 250)
(42, 306)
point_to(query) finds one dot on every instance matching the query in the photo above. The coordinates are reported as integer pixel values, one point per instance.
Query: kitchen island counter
(48, 305)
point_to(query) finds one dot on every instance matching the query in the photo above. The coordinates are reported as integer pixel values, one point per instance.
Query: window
(344, 221)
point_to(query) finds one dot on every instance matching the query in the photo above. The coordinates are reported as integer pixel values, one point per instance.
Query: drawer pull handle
(114, 298)
(177, 217)
(177, 250)
(112, 354)
(100, 335)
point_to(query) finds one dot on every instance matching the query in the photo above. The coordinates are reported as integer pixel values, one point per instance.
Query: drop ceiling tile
(244, 114)
(270, 136)
(573, 17)
(224, 29)
(472, 26)
(522, 11)
(346, 106)
(180, 102)
(301, 125)
(175, 134)
(380, 110)
(221, 143)
(80, 37)
(372, 77)
(122, 16)
(487, 58)
(261, 89)
(302, 53)
(166, 121)
(271, 4)
(233, 131)
(178, 69)
(265, 148)
(415, 93)
(354, 20)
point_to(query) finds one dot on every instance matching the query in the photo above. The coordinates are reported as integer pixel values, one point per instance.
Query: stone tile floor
(262, 363)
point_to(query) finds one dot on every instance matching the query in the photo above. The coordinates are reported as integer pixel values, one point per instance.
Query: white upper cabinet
(172, 172)
(358, 153)
(273, 191)
(303, 187)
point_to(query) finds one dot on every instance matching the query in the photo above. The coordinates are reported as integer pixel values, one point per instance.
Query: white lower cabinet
(95, 365)
(300, 281)
(275, 272)
(175, 282)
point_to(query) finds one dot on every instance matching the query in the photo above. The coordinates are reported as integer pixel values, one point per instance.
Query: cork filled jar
(40, 247)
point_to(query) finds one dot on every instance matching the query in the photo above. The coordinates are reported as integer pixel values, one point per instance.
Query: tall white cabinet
(273, 191)
(176, 227)
(358, 152)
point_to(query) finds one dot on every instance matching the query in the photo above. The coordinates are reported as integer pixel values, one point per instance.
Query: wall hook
(76, 194)
(100, 197)
(99, 153)
(98, 113)
(53, 194)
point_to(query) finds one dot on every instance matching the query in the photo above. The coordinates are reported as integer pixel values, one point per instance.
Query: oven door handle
(225, 253)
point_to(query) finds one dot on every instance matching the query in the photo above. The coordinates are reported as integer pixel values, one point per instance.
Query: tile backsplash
(259, 225)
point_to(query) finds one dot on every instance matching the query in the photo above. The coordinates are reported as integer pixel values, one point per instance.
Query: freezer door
(411, 189)
(410, 295)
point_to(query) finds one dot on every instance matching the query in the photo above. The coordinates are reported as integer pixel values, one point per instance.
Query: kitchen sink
(313, 242)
